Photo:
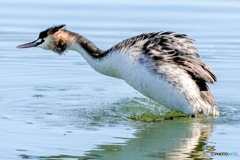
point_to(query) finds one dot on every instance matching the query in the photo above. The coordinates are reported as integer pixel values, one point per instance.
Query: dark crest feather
(51, 30)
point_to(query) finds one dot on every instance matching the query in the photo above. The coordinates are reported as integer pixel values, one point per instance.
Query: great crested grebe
(163, 66)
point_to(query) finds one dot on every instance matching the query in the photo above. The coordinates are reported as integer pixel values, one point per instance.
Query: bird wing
(169, 47)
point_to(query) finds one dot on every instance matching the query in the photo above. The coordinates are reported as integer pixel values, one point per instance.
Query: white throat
(104, 65)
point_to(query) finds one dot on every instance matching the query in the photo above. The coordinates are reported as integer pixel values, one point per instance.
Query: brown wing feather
(178, 49)
(171, 48)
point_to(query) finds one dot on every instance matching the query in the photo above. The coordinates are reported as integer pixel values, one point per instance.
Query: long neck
(97, 59)
(85, 44)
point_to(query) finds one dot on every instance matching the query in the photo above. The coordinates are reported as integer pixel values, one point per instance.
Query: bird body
(162, 66)
(118, 65)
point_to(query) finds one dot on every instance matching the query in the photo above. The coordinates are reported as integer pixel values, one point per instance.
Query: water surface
(57, 107)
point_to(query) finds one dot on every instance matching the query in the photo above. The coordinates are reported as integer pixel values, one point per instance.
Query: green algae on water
(149, 117)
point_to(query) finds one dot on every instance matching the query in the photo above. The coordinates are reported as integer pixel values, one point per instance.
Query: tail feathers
(214, 111)
(210, 107)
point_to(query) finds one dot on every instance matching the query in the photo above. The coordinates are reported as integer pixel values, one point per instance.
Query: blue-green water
(57, 107)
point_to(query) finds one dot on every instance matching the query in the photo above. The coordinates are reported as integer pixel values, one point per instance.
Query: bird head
(53, 38)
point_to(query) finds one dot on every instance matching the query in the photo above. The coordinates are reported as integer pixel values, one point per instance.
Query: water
(57, 107)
